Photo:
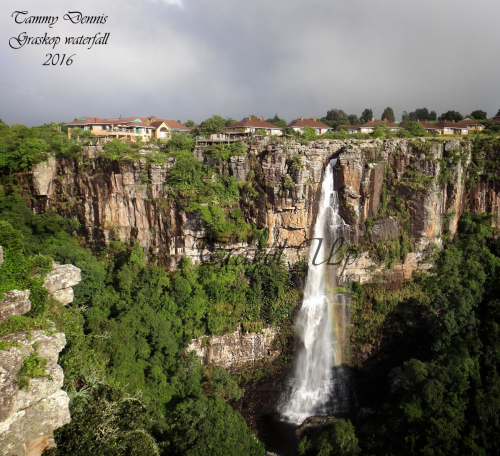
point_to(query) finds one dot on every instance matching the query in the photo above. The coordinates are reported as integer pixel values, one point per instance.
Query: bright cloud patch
(172, 2)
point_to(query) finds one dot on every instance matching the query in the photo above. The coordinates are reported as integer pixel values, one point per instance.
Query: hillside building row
(132, 128)
(145, 128)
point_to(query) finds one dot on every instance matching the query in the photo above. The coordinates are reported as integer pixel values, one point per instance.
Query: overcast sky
(189, 59)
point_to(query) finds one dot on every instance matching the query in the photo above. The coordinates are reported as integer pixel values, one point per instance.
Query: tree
(189, 123)
(498, 113)
(334, 118)
(309, 133)
(451, 116)
(211, 125)
(405, 118)
(187, 171)
(416, 129)
(76, 132)
(338, 439)
(230, 121)
(420, 114)
(389, 115)
(367, 115)
(337, 115)
(23, 153)
(432, 115)
(290, 131)
(354, 119)
(114, 149)
(378, 131)
(277, 121)
(479, 115)
(106, 421)
(208, 426)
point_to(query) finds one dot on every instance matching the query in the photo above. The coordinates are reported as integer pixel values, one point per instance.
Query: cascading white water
(314, 380)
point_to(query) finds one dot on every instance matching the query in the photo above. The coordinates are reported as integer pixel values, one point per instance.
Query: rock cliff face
(29, 414)
(386, 188)
(234, 350)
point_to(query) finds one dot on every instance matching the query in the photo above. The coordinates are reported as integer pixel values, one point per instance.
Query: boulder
(14, 302)
(62, 276)
(313, 425)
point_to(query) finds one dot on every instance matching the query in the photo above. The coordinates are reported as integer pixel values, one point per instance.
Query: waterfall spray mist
(321, 324)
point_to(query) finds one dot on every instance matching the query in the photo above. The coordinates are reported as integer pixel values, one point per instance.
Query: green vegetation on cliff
(439, 334)
(127, 330)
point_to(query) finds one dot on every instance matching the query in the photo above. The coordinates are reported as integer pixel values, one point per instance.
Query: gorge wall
(399, 194)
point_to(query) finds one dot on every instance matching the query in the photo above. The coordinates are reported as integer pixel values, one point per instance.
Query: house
(165, 127)
(496, 120)
(452, 128)
(223, 137)
(251, 125)
(128, 128)
(122, 128)
(471, 124)
(350, 128)
(368, 126)
(429, 127)
(301, 123)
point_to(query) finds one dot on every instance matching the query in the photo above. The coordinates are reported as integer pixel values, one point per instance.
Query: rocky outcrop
(234, 350)
(14, 302)
(32, 409)
(11, 360)
(29, 415)
(59, 281)
(44, 174)
(128, 200)
(313, 425)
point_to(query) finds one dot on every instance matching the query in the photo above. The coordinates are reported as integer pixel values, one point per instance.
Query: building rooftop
(254, 123)
(308, 123)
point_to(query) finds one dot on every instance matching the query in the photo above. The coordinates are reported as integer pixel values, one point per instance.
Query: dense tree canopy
(354, 119)
(451, 116)
(276, 120)
(444, 398)
(213, 124)
(389, 115)
(479, 115)
(134, 389)
(367, 115)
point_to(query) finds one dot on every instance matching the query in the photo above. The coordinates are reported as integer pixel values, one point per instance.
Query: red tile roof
(428, 126)
(150, 122)
(469, 122)
(308, 123)
(173, 124)
(156, 123)
(374, 122)
(448, 124)
(253, 123)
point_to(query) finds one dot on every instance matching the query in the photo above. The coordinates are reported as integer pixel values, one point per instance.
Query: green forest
(134, 390)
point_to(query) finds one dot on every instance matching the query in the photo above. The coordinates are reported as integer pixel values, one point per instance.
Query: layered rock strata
(129, 200)
(234, 350)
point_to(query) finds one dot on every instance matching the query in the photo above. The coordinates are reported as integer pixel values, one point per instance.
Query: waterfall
(318, 383)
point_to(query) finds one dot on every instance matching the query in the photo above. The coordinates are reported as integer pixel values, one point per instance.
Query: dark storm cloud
(193, 58)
